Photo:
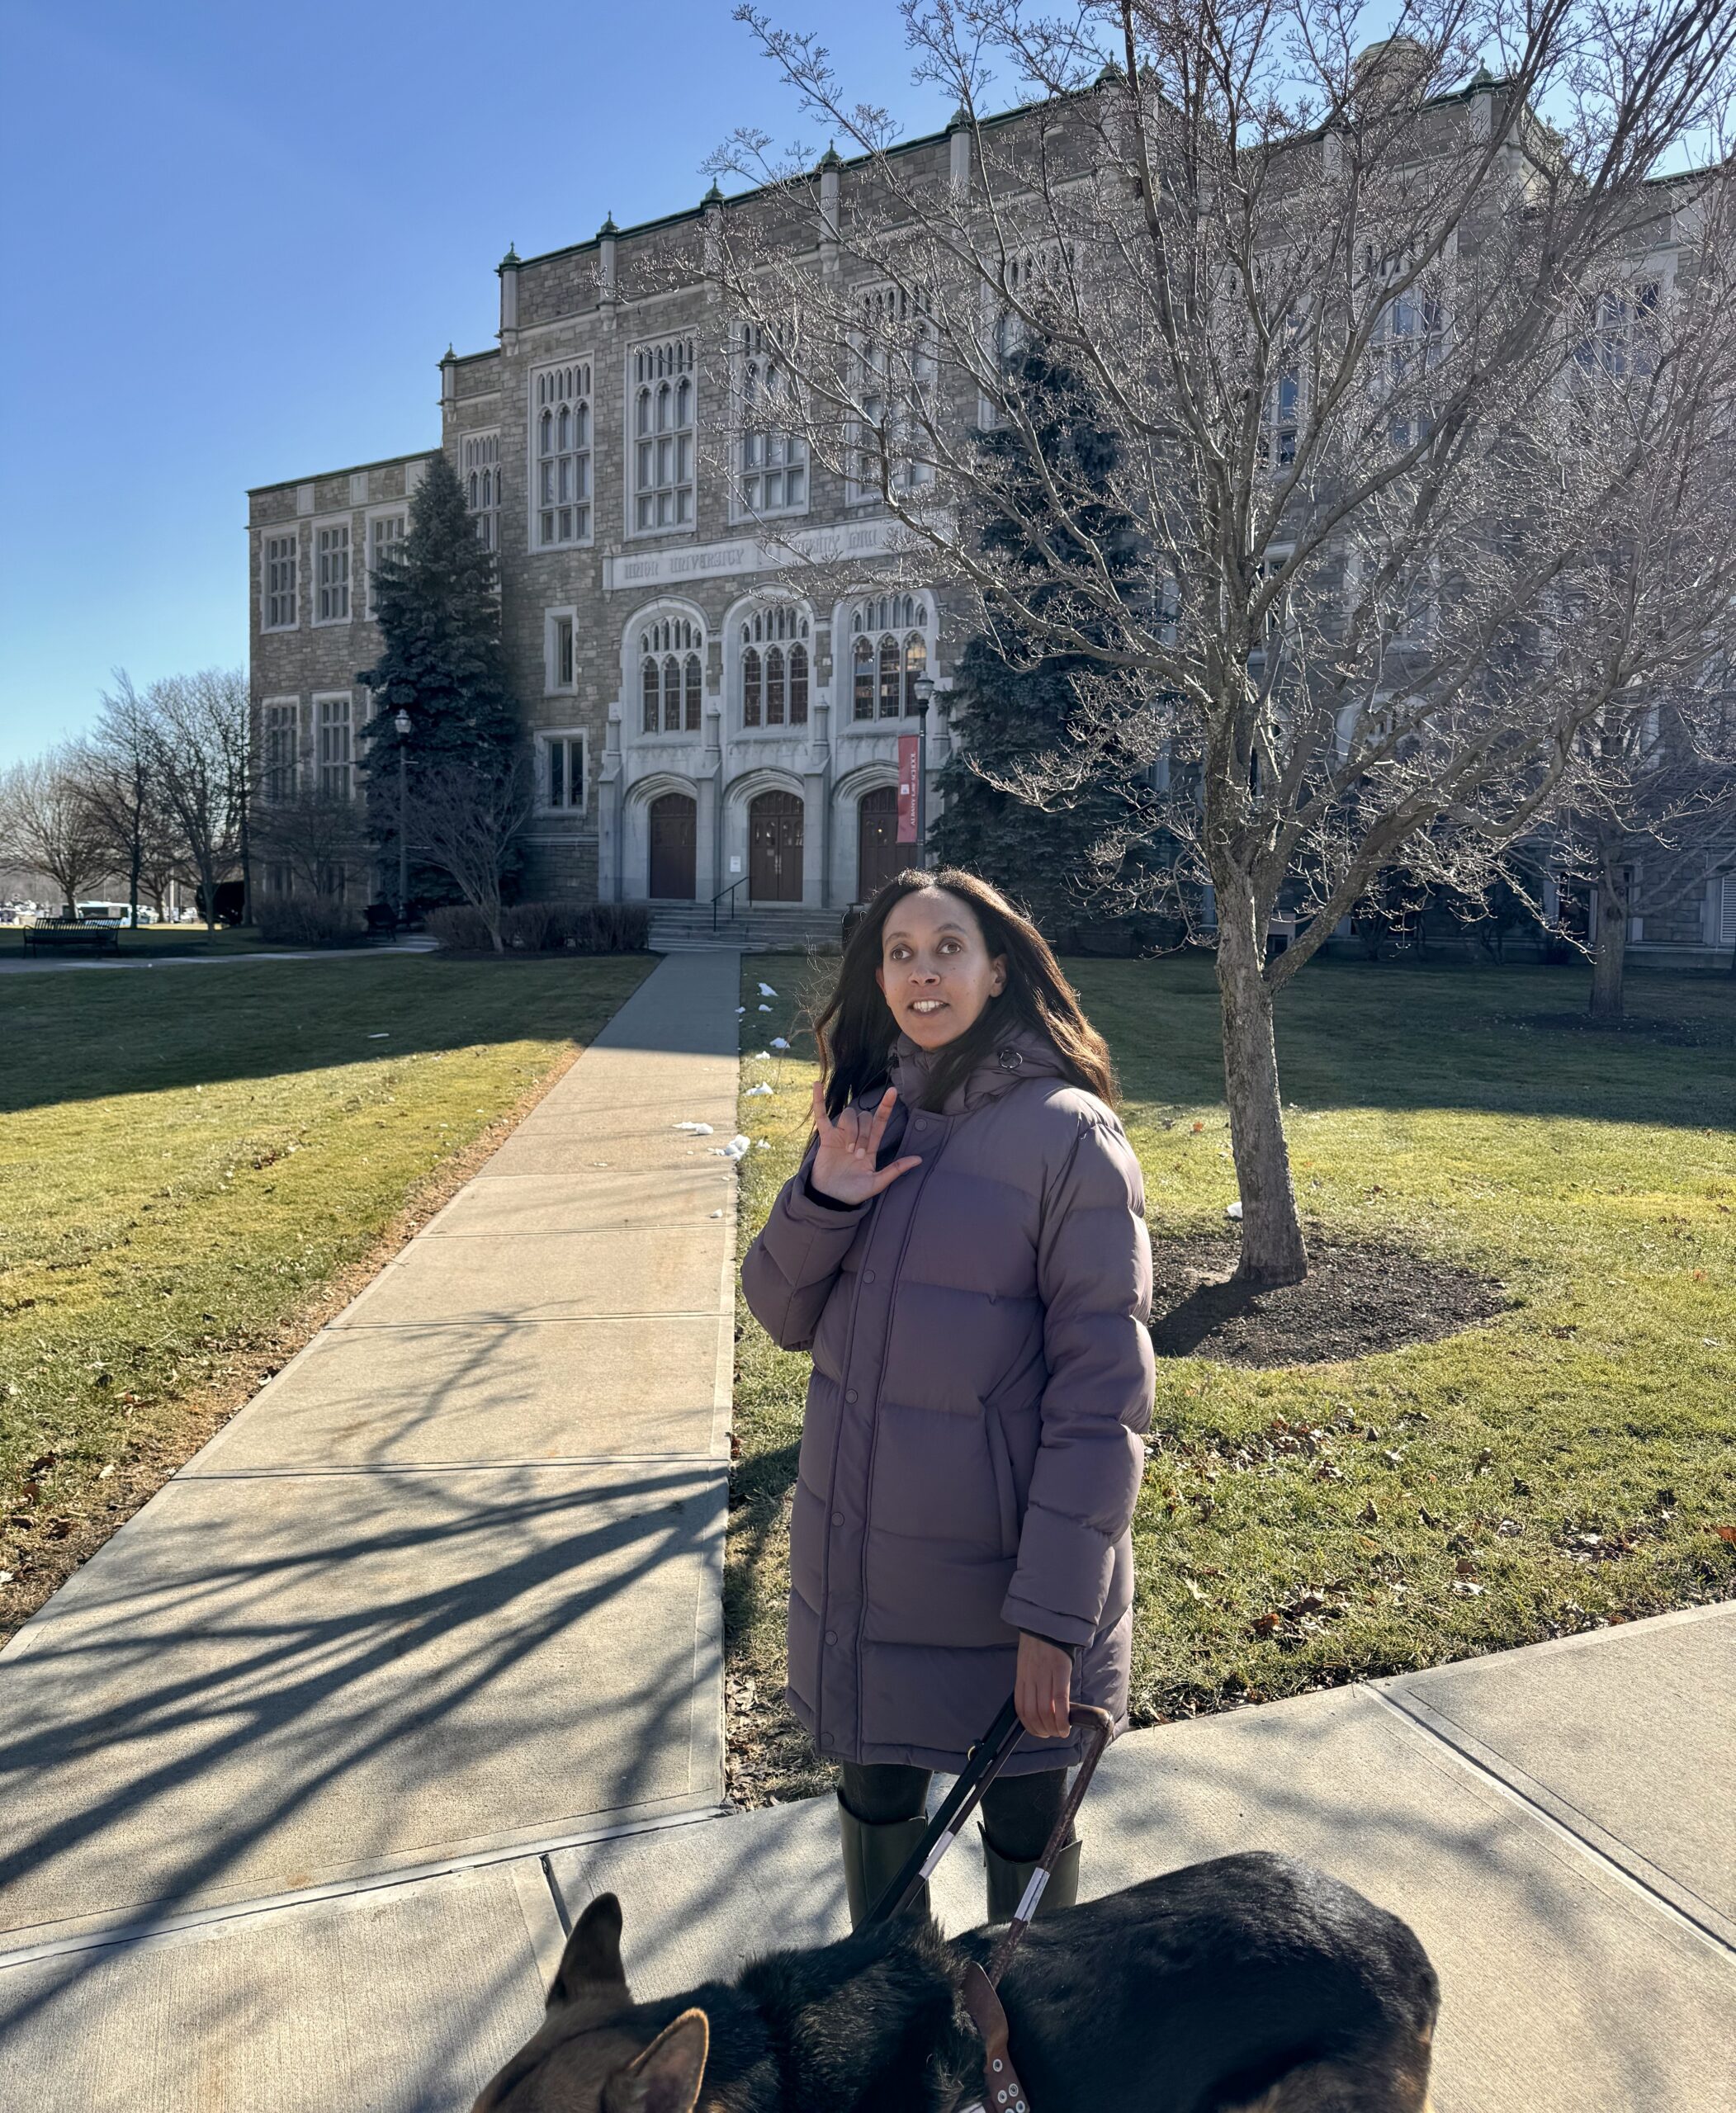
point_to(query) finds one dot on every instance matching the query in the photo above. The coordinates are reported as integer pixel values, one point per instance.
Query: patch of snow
(1233, 1211)
(767, 991)
(695, 1129)
(779, 1042)
(753, 1091)
(737, 1147)
(765, 1008)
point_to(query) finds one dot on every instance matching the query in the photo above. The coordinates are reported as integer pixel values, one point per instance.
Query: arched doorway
(674, 833)
(774, 848)
(878, 853)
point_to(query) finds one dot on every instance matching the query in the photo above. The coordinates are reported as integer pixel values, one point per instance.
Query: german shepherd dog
(1252, 1982)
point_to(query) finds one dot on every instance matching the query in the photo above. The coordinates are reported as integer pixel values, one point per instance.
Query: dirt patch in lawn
(1670, 1033)
(1353, 1302)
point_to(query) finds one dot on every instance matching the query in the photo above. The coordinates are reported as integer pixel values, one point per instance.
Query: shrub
(308, 921)
(584, 927)
(531, 925)
(456, 925)
(615, 928)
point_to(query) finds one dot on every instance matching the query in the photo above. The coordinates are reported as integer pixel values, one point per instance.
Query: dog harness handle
(1002, 2091)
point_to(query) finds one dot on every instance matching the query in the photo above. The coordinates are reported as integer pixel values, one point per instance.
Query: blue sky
(237, 240)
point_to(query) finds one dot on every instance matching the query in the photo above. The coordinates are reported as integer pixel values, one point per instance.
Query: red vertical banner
(908, 766)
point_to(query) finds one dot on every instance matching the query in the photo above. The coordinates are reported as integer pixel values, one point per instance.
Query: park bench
(69, 932)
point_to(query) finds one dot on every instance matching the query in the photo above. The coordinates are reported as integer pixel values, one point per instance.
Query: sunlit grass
(189, 1156)
(1567, 1464)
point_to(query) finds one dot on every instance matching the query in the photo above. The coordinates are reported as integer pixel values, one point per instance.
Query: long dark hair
(855, 1030)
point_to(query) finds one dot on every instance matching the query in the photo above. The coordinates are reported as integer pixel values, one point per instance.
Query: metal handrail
(730, 891)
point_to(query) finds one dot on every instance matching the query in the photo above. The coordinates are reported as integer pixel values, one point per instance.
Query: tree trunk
(1272, 1250)
(1609, 955)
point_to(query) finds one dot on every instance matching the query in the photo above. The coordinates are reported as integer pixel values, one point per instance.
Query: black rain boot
(873, 1858)
(1008, 1880)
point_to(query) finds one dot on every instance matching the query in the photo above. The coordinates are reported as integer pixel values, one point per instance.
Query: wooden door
(674, 837)
(774, 848)
(879, 855)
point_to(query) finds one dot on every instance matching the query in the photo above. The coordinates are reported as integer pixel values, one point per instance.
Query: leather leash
(1002, 2091)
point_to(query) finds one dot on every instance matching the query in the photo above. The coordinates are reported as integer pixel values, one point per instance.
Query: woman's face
(935, 970)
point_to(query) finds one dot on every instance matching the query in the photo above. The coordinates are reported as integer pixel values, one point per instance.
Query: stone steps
(763, 929)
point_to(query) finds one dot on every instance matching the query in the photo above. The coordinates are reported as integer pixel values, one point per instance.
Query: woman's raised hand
(844, 1166)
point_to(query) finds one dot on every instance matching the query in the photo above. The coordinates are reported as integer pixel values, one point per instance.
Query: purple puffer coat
(971, 1450)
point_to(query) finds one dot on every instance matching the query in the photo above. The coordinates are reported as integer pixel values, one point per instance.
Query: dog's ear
(592, 1959)
(666, 2077)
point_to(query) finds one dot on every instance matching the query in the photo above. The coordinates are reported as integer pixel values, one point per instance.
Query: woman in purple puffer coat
(963, 1252)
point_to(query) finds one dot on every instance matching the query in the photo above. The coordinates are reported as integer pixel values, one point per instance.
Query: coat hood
(1022, 1052)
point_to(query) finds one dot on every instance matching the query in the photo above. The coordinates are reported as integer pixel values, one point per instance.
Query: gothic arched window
(774, 667)
(670, 678)
(889, 655)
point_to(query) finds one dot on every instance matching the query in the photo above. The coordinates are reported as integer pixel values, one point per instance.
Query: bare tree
(321, 838)
(118, 777)
(198, 729)
(1652, 822)
(1427, 449)
(465, 819)
(46, 824)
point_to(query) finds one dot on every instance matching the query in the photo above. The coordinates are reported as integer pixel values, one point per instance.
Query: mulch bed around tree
(1678, 1033)
(1353, 1302)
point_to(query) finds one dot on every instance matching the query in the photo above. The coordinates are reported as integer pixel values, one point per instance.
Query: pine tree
(441, 661)
(1009, 712)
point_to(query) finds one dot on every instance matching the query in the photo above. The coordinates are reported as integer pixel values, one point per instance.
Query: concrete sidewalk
(447, 1593)
(1554, 1823)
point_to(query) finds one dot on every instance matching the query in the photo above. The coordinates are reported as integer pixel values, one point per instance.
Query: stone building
(698, 730)
(701, 731)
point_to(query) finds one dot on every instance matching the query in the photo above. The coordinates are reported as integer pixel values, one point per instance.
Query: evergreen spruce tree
(441, 661)
(1011, 708)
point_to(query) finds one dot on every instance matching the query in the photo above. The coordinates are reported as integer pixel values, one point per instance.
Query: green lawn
(1569, 1464)
(191, 1161)
(152, 941)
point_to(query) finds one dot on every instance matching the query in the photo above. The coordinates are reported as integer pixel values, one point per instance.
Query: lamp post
(924, 687)
(402, 722)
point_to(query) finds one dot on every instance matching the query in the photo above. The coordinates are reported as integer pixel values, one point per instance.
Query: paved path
(302, 1777)
(446, 1595)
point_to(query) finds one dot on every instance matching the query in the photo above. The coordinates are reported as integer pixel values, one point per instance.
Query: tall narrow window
(331, 557)
(916, 662)
(1409, 340)
(750, 690)
(862, 685)
(662, 418)
(564, 771)
(670, 676)
(561, 448)
(478, 467)
(278, 783)
(561, 665)
(335, 765)
(281, 571)
(773, 469)
(798, 686)
(384, 547)
(892, 373)
(1620, 331)
(1281, 420)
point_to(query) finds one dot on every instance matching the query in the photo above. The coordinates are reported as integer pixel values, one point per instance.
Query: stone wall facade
(716, 778)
